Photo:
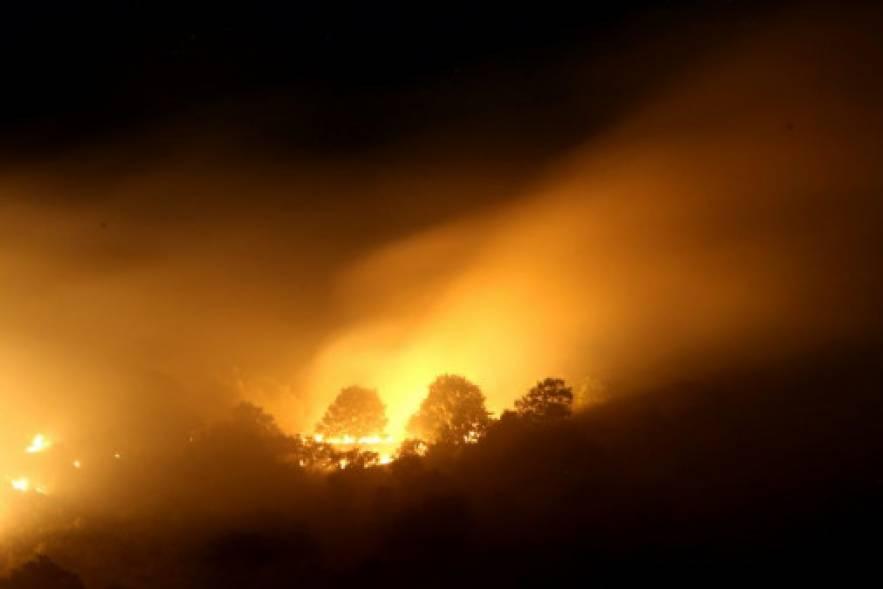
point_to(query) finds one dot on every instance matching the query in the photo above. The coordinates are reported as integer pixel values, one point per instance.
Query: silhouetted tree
(41, 573)
(452, 413)
(317, 455)
(549, 399)
(249, 435)
(251, 418)
(356, 412)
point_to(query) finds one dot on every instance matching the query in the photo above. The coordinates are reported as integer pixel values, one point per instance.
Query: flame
(77, 464)
(21, 484)
(40, 443)
(347, 440)
(385, 444)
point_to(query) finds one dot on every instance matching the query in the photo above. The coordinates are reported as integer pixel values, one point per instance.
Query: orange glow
(482, 323)
(21, 484)
(353, 441)
(383, 445)
(40, 443)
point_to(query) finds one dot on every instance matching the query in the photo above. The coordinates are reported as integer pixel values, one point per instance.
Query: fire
(40, 443)
(354, 441)
(420, 448)
(77, 464)
(383, 445)
(21, 484)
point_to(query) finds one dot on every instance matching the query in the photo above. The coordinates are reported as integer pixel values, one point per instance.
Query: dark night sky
(339, 78)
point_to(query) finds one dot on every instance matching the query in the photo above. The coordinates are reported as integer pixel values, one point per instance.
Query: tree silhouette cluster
(259, 433)
(452, 414)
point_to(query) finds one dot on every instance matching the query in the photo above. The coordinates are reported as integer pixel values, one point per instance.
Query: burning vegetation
(654, 473)
(684, 229)
(351, 433)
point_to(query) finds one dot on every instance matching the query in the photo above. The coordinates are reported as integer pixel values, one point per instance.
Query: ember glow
(354, 441)
(21, 484)
(40, 443)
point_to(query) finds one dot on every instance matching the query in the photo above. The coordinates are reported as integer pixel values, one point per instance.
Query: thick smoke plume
(732, 216)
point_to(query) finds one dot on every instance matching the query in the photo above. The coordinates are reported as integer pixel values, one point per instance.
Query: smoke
(140, 304)
(732, 213)
(731, 218)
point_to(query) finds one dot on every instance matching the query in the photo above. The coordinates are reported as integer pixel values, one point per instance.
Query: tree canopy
(357, 412)
(453, 412)
(550, 398)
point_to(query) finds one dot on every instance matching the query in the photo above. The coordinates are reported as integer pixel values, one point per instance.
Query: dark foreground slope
(758, 472)
(769, 469)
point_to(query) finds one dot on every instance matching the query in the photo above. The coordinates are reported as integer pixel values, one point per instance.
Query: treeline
(452, 415)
